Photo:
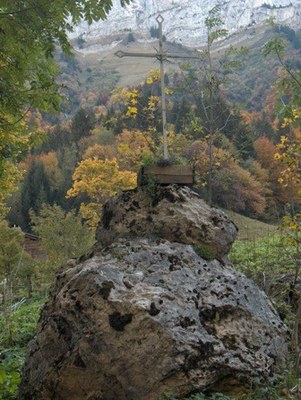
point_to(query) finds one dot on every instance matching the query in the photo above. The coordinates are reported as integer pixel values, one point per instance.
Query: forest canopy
(29, 34)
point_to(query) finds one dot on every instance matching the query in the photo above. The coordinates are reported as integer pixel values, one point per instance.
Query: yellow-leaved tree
(132, 146)
(98, 179)
(289, 155)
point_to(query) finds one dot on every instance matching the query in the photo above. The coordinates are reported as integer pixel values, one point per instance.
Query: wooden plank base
(173, 174)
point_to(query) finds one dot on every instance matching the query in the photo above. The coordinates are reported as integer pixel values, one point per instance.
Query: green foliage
(29, 36)
(273, 263)
(289, 85)
(18, 322)
(17, 327)
(262, 393)
(16, 266)
(148, 160)
(262, 259)
(63, 234)
(198, 396)
(215, 113)
(174, 159)
(10, 373)
(213, 23)
(168, 395)
(35, 191)
(150, 186)
(19, 274)
(204, 251)
(256, 392)
(10, 249)
(82, 124)
(103, 136)
(274, 46)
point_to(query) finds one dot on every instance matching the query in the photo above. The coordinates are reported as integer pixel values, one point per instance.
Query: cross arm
(181, 56)
(122, 54)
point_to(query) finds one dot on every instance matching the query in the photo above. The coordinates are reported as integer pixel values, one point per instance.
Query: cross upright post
(160, 20)
(161, 56)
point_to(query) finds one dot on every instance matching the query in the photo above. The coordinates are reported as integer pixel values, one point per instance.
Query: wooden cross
(161, 56)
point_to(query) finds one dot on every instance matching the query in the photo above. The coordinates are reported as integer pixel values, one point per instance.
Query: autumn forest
(66, 148)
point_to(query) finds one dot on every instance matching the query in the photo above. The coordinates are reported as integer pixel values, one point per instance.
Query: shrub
(204, 251)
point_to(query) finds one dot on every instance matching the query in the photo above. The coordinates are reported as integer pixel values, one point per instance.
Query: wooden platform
(178, 174)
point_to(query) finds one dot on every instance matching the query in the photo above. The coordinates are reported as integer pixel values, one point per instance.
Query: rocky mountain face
(184, 19)
(155, 307)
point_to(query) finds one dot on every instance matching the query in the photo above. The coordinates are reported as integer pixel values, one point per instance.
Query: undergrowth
(17, 326)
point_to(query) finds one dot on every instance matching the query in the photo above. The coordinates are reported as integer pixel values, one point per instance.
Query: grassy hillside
(100, 69)
(250, 229)
(130, 70)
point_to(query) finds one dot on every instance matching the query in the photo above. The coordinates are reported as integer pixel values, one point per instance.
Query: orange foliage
(67, 125)
(265, 150)
(248, 117)
(233, 187)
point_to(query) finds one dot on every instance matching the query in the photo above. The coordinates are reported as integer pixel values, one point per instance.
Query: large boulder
(175, 213)
(146, 315)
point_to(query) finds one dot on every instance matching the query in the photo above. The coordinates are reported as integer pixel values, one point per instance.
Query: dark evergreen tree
(179, 113)
(263, 127)
(68, 159)
(131, 38)
(81, 42)
(290, 35)
(35, 191)
(82, 124)
(55, 140)
(154, 32)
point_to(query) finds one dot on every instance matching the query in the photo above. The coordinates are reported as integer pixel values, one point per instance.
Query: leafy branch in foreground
(30, 31)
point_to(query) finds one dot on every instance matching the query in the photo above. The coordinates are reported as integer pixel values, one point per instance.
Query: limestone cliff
(184, 19)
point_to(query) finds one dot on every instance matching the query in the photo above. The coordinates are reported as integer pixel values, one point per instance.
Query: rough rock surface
(146, 315)
(174, 213)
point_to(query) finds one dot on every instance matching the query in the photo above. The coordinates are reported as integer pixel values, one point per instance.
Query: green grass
(251, 229)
